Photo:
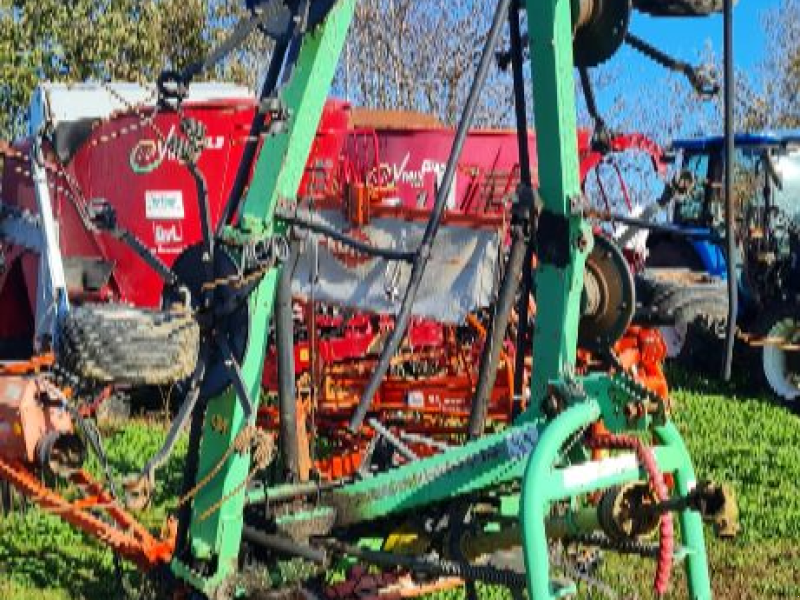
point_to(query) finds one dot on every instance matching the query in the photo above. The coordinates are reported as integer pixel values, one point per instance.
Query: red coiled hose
(667, 533)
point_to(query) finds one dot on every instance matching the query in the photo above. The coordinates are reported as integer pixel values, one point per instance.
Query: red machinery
(367, 164)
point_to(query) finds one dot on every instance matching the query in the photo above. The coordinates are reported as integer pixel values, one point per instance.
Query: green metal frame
(276, 179)
(529, 451)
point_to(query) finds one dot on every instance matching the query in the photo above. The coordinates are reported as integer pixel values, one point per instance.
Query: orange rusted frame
(24, 367)
(126, 536)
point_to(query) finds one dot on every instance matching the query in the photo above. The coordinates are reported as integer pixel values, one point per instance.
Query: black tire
(680, 8)
(780, 367)
(670, 296)
(115, 343)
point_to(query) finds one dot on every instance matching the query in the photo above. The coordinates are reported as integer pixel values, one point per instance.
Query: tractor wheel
(780, 354)
(689, 307)
(667, 295)
(114, 343)
(679, 8)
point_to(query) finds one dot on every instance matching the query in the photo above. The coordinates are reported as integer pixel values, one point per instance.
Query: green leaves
(125, 40)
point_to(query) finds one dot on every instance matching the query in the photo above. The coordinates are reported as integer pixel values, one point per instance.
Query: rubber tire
(666, 301)
(679, 8)
(116, 343)
(786, 391)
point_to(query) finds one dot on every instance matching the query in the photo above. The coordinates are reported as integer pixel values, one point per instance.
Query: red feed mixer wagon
(111, 144)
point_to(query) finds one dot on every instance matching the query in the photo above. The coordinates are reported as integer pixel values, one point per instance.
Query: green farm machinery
(593, 458)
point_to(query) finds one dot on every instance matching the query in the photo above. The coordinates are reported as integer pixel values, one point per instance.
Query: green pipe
(535, 503)
(691, 522)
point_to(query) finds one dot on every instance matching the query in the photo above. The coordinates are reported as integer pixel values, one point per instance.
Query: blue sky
(634, 76)
(686, 38)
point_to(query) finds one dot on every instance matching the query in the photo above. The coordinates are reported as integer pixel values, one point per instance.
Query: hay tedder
(387, 440)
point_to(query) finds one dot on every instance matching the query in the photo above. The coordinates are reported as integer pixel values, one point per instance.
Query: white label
(416, 400)
(580, 475)
(163, 205)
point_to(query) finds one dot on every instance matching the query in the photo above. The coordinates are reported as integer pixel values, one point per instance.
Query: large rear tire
(690, 308)
(115, 343)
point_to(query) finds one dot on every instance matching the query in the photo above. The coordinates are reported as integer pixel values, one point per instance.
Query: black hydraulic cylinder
(284, 338)
(520, 237)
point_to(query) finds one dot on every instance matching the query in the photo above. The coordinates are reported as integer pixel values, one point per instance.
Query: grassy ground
(746, 441)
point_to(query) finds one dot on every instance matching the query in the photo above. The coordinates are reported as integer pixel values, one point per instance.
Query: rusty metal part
(119, 530)
(620, 512)
(35, 427)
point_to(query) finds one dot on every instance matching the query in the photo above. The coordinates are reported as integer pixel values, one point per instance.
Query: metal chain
(250, 437)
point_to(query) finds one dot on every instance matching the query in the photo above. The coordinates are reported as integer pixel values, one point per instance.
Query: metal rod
(424, 251)
(283, 545)
(407, 452)
(730, 236)
(520, 236)
(638, 223)
(521, 114)
(284, 341)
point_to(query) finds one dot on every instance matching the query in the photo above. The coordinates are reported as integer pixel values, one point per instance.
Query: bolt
(582, 242)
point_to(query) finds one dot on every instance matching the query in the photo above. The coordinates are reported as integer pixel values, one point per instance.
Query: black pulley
(609, 299)
(600, 29)
(229, 315)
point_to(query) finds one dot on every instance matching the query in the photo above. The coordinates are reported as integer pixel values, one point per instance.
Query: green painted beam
(559, 283)
(217, 511)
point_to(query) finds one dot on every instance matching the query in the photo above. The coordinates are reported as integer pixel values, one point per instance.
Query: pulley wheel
(228, 315)
(602, 26)
(609, 300)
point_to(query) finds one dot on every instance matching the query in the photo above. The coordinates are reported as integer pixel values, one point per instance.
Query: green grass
(734, 436)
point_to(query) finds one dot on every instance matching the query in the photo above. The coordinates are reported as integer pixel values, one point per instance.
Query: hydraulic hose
(284, 340)
(424, 251)
(357, 245)
(730, 235)
(251, 146)
(520, 236)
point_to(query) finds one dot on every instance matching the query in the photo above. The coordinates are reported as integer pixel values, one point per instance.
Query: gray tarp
(460, 276)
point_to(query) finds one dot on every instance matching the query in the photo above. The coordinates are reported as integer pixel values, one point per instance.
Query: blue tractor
(686, 265)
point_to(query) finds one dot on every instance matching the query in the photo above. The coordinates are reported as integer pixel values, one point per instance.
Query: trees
(128, 40)
(411, 55)
(781, 69)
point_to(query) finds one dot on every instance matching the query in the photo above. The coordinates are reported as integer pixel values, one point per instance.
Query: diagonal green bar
(217, 511)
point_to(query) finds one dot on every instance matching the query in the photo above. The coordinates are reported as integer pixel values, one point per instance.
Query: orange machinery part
(124, 534)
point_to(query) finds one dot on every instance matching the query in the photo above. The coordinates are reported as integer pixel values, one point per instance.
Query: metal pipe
(284, 340)
(424, 251)
(730, 235)
(261, 494)
(283, 545)
(407, 452)
(329, 232)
